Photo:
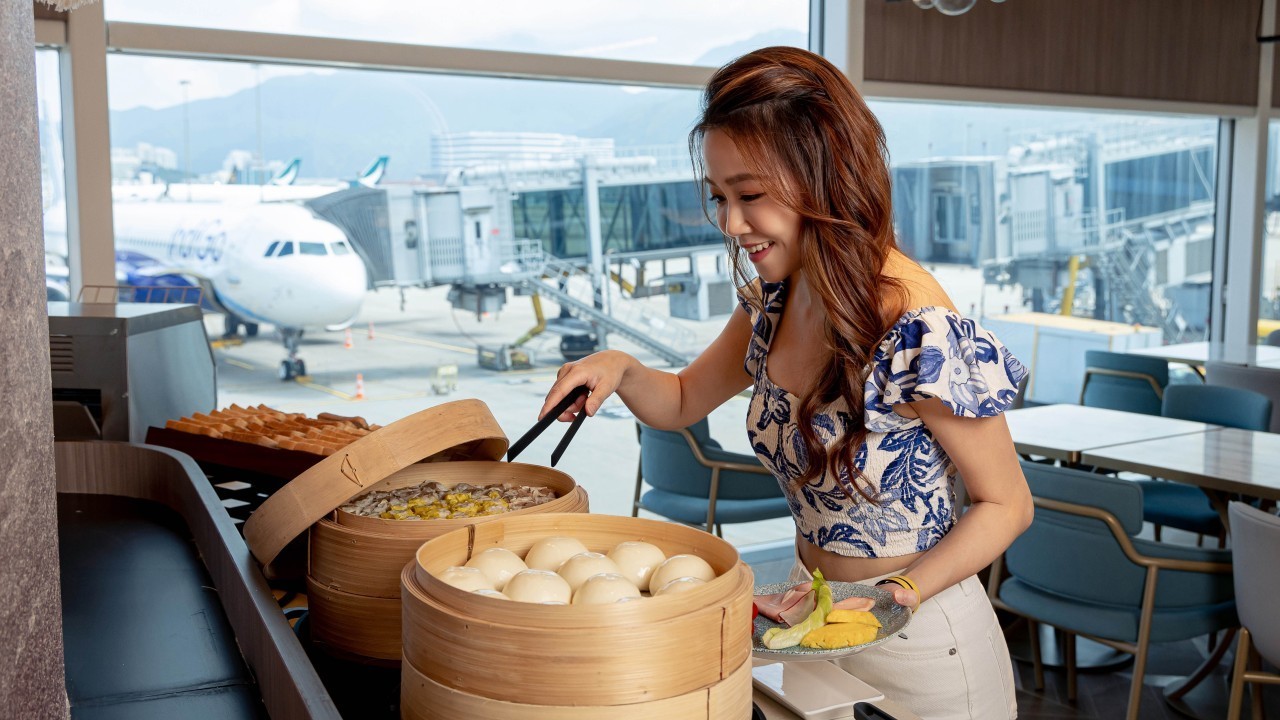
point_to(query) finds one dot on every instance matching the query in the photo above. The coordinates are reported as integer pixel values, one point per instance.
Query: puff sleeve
(934, 352)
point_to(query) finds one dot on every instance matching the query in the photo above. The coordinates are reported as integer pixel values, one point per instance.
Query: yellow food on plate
(835, 636)
(861, 617)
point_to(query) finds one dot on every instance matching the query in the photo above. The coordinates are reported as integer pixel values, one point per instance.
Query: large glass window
(1269, 285)
(282, 198)
(1095, 231)
(666, 31)
(53, 187)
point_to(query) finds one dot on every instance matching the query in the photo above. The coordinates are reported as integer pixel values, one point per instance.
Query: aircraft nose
(351, 288)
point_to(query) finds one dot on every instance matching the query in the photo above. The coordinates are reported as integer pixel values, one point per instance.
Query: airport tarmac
(399, 342)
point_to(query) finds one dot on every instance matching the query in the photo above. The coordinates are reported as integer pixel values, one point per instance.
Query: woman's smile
(756, 252)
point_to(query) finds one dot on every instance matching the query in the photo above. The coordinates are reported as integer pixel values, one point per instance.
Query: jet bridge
(416, 236)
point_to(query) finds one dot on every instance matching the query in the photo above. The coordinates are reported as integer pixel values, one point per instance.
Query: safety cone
(359, 386)
(348, 344)
(370, 331)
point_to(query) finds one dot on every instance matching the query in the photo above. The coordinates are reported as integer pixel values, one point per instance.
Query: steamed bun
(549, 553)
(637, 561)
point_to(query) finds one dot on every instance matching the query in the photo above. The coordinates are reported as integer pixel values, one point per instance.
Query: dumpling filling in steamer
(432, 500)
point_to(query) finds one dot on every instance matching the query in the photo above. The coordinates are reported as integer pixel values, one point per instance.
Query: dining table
(1198, 354)
(1225, 462)
(1065, 432)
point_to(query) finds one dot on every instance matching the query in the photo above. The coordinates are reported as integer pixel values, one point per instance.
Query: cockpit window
(340, 248)
(287, 249)
(313, 248)
(272, 250)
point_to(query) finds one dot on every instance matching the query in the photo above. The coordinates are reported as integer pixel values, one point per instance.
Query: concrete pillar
(32, 683)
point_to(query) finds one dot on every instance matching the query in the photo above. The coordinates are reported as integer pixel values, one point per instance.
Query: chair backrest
(1230, 407)
(1273, 338)
(1255, 540)
(1120, 381)
(1079, 557)
(1258, 379)
(668, 463)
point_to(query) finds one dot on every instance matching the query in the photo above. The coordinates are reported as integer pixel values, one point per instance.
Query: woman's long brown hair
(806, 134)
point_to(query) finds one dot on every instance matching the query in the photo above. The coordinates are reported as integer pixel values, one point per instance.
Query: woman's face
(763, 227)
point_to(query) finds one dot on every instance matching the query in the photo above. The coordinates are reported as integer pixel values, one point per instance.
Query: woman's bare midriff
(849, 569)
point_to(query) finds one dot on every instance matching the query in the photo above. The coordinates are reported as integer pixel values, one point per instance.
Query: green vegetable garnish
(778, 638)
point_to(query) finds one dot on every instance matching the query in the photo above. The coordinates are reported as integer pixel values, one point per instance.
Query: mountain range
(337, 122)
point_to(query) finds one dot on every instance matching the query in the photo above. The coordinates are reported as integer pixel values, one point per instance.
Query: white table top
(1229, 460)
(1199, 353)
(1064, 432)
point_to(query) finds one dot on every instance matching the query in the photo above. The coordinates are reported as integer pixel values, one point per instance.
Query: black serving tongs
(573, 396)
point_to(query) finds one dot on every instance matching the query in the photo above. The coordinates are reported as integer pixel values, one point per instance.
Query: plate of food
(795, 624)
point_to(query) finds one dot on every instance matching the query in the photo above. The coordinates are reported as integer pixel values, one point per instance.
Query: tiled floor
(1102, 695)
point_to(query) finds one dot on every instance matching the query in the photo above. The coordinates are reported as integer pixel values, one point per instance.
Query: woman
(871, 393)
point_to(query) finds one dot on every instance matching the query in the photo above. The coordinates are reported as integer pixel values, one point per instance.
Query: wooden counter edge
(285, 677)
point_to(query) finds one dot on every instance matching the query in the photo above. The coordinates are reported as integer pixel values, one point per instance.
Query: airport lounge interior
(376, 371)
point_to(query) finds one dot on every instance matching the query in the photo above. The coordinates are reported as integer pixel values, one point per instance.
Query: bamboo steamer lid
(635, 652)
(422, 698)
(462, 427)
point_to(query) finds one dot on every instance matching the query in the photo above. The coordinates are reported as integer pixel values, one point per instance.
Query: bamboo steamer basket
(422, 698)
(354, 563)
(365, 555)
(596, 655)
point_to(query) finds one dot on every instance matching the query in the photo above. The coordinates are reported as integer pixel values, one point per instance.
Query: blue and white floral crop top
(929, 352)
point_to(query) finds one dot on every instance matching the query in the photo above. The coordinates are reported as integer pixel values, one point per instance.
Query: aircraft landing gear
(290, 369)
(294, 366)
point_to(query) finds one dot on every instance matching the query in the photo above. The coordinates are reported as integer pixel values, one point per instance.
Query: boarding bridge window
(949, 220)
(272, 249)
(286, 249)
(666, 31)
(313, 248)
(1026, 215)
(340, 248)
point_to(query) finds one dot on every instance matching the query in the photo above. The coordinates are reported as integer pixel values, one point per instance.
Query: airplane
(271, 262)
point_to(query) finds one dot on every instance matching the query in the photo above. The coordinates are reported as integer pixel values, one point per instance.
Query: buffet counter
(293, 682)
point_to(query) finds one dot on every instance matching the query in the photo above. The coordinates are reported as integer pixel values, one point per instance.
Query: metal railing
(570, 285)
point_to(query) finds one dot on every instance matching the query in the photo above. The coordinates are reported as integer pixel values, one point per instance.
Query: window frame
(836, 30)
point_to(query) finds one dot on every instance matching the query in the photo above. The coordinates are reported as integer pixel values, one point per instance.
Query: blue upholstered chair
(1255, 537)
(693, 481)
(1273, 338)
(1120, 381)
(1184, 506)
(1081, 568)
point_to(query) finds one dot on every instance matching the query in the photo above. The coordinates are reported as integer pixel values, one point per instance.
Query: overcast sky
(673, 31)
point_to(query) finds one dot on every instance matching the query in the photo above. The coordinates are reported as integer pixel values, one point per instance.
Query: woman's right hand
(601, 372)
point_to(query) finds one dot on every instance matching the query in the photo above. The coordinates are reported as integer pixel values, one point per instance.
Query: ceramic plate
(892, 616)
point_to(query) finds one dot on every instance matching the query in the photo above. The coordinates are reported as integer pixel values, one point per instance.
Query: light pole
(259, 176)
(186, 138)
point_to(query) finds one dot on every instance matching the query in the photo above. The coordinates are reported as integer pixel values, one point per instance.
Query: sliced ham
(854, 603)
(790, 607)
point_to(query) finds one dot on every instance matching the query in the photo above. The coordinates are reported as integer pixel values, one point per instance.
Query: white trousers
(949, 663)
